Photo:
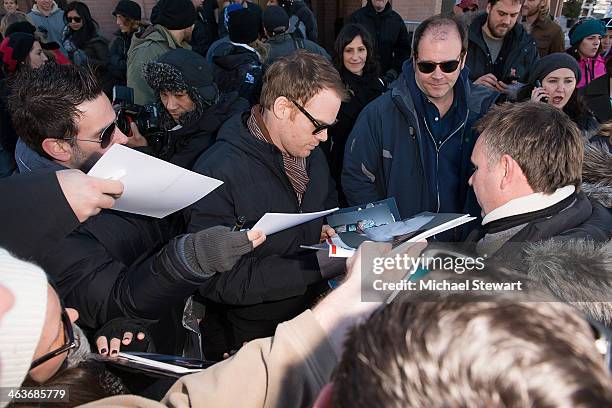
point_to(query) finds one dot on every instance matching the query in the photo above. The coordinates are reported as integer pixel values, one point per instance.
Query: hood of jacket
(235, 57)
(596, 175)
(54, 10)
(29, 161)
(575, 271)
(156, 33)
(372, 11)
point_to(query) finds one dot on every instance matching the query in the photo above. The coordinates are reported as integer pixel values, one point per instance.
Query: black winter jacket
(206, 29)
(239, 70)
(115, 264)
(118, 57)
(278, 280)
(387, 28)
(519, 52)
(301, 14)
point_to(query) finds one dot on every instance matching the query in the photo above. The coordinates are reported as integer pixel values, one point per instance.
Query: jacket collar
(372, 11)
(29, 161)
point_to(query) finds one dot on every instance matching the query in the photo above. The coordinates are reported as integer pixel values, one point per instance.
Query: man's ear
(510, 169)
(282, 108)
(57, 149)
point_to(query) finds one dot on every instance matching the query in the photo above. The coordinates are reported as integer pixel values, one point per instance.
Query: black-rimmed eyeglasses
(69, 342)
(104, 139)
(319, 127)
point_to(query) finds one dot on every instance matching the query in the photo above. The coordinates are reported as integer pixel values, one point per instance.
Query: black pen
(239, 223)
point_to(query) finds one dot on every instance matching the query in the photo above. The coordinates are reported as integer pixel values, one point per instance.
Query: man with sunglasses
(500, 51)
(414, 142)
(114, 264)
(269, 161)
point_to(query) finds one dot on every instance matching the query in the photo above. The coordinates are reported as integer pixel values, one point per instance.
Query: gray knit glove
(216, 249)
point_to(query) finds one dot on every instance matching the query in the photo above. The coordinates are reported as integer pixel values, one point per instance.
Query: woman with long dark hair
(84, 44)
(554, 80)
(354, 58)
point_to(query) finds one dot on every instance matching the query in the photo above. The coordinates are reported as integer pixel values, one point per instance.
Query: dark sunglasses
(105, 136)
(69, 342)
(447, 67)
(74, 19)
(319, 127)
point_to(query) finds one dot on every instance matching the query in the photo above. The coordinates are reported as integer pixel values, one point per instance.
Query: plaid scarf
(295, 167)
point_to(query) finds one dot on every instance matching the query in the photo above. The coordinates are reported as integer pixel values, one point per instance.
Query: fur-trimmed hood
(578, 272)
(597, 173)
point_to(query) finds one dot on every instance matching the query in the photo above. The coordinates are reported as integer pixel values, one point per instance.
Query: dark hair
(90, 26)
(439, 21)
(468, 351)
(44, 102)
(494, 2)
(348, 34)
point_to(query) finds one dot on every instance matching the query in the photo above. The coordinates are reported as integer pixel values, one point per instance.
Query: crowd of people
(475, 112)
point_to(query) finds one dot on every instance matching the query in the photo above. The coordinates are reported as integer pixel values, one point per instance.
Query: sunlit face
(379, 5)
(560, 85)
(486, 179)
(10, 6)
(37, 57)
(177, 103)
(355, 55)
(502, 17)
(589, 46)
(606, 42)
(45, 5)
(51, 338)
(95, 116)
(75, 22)
(441, 45)
(531, 7)
(295, 132)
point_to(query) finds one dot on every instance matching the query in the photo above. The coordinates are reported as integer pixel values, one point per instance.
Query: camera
(146, 117)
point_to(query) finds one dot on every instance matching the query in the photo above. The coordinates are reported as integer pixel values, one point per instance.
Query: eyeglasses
(319, 127)
(69, 342)
(74, 19)
(104, 139)
(447, 67)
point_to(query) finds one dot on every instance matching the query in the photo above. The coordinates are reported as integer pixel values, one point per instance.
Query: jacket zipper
(438, 147)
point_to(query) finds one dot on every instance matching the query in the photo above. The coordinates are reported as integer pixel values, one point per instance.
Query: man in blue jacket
(414, 142)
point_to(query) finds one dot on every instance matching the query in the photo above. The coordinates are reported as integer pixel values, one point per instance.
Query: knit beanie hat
(585, 28)
(15, 49)
(181, 70)
(228, 10)
(174, 14)
(552, 62)
(242, 26)
(20, 27)
(275, 20)
(129, 9)
(21, 327)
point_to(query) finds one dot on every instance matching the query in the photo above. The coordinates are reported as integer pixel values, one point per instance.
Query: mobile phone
(538, 84)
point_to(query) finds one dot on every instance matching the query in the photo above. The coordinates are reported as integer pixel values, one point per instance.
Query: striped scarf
(295, 167)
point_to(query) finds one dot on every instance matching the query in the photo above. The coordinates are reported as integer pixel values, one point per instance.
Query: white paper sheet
(152, 186)
(271, 223)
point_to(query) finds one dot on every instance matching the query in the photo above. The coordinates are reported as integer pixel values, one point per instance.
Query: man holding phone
(500, 51)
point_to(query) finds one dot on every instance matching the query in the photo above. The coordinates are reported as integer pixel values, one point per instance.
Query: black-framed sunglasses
(104, 139)
(319, 127)
(74, 19)
(69, 342)
(447, 67)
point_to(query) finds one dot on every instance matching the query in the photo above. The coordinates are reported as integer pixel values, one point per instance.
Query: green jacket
(147, 46)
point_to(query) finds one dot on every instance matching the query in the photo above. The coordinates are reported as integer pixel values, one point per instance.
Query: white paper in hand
(152, 186)
(271, 223)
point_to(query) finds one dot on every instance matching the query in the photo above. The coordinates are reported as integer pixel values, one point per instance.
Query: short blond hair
(300, 77)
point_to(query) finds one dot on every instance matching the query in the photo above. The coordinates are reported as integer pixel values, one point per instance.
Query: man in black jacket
(500, 50)
(528, 168)
(206, 29)
(387, 28)
(114, 264)
(269, 161)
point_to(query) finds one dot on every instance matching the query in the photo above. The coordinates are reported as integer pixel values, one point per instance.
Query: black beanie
(129, 9)
(174, 14)
(275, 20)
(242, 26)
(20, 27)
(552, 62)
(15, 49)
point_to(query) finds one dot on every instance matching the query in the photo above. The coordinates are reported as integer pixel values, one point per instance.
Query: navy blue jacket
(384, 154)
